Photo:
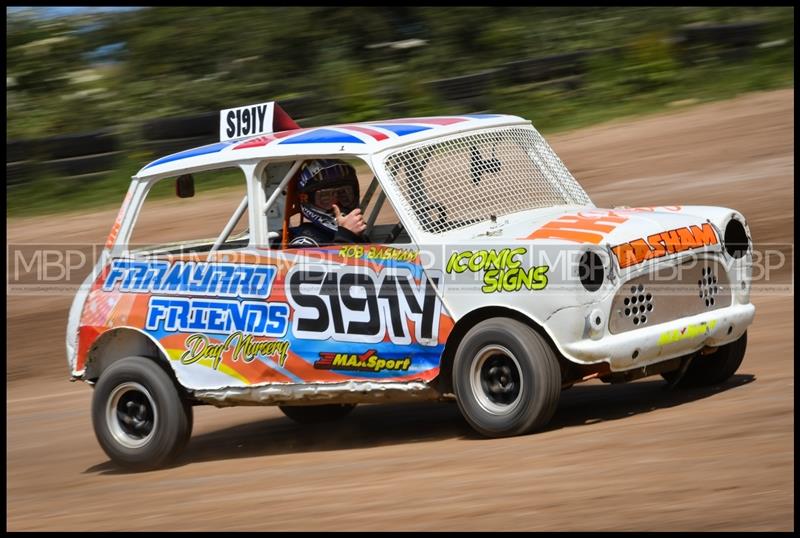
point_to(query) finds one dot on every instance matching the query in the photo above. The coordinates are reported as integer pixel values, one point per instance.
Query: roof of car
(344, 139)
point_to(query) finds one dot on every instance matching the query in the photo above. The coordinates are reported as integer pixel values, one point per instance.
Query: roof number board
(250, 120)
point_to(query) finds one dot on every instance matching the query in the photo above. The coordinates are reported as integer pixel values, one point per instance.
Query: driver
(328, 195)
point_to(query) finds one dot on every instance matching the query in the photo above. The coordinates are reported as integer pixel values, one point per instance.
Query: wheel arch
(121, 342)
(444, 381)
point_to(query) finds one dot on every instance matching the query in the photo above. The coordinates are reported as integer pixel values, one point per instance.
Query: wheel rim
(131, 415)
(496, 379)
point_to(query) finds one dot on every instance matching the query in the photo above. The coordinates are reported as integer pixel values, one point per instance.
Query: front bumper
(652, 344)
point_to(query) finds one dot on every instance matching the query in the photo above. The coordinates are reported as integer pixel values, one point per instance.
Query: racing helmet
(322, 183)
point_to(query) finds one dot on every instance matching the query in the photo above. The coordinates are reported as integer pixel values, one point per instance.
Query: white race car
(498, 285)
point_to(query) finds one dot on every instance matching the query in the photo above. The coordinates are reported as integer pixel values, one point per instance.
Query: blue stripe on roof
(400, 129)
(203, 150)
(482, 115)
(322, 136)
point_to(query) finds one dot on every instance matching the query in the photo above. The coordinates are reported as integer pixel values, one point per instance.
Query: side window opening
(168, 224)
(383, 224)
(271, 177)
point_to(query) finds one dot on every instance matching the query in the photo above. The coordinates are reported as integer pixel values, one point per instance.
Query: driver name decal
(661, 244)
(379, 253)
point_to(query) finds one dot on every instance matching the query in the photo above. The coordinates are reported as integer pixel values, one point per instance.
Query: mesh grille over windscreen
(451, 183)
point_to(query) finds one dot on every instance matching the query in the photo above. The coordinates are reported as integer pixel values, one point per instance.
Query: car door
(364, 312)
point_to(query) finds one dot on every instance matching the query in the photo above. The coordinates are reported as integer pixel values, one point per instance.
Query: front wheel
(506, 378)
(714, 368)
(139, 417)
(315, 414)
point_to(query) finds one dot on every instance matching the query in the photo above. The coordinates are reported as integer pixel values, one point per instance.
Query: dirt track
(622, 457)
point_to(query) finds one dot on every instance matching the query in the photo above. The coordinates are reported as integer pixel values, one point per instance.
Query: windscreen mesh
(448, 184)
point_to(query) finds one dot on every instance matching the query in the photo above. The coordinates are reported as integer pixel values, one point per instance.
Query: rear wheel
(315, 414)
(140, 419)
(506, 378)
(713, 368)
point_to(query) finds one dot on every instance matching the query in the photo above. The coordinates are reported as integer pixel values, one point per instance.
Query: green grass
(57, 195)
(650, 83)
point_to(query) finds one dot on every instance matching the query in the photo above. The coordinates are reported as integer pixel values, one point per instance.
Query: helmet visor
(343, 196)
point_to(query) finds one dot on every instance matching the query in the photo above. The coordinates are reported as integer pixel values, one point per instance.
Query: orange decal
(582, 222)
(641, 250)
(687, 239)
(112, 236)
(672, 240)
(658, 245)
(624, 254)
(581, 227)
(567, 235)
(704, 235)
(677, 240)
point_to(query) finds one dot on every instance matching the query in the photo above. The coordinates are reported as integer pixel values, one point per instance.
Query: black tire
(712, 369)
(175, 145)
(21, 172)
(744, 34)
(77, 145)
(300, 106)
(465, 86)
(163, 423)
(21, 150)
(78, 166)
(181, 127)
(506, 378)
(546, 68)
(315, 414)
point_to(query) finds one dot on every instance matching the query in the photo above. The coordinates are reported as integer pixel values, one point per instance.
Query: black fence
(91, 155)
(83, 155)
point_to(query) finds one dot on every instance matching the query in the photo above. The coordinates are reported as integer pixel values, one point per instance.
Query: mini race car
(499, 285)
